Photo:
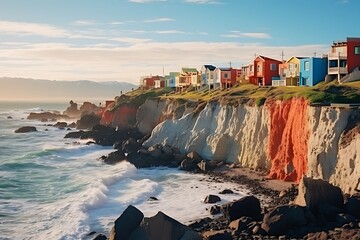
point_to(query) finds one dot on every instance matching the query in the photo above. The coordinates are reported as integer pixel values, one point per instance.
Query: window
(357, 50)
(306, 65)
(273, 67)
(226, 75)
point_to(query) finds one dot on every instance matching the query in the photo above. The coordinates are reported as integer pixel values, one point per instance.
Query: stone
(26, 129)
(226, 191)
(212, 199)
(283, 218)
(9, 117)
(206, 166)
(240, 224)
(247, 206)
(128, 221)
(317, 236)
(60, 125)
(88, 121)
(217, 235)
(216, 209)
(130, 145)
(188, 165)
(163, 227)
(113, 157)
(352, 206)
(314, 193)
(194, 156)
(343, 218)
(153, 199)
(100, 237)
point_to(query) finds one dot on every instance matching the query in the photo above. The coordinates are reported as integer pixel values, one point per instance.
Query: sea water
(55, 188)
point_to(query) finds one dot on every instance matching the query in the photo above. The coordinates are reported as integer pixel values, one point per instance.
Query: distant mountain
(33, 89)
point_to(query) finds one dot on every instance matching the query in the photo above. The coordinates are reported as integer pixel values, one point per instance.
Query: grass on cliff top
(138, 97)
(321, 93)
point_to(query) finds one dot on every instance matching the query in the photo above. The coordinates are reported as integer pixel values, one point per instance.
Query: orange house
(263, 70)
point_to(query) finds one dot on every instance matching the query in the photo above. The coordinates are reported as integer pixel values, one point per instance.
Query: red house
(343, 58)
(151, 82)
(227, 76)
(264, 69)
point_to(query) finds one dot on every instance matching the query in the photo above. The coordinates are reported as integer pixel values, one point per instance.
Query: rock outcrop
(26, 129)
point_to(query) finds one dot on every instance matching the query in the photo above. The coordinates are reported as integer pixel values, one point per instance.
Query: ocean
(55, 188)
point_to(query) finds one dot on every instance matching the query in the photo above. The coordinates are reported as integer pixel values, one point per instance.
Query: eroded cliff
(288, 139)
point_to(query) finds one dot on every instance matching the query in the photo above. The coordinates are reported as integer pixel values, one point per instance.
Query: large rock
(247, 206)
(88, 121)
(128, 221)
(353, 206)
(194, 156)
(314, 193)
(189, 165)
(212, 199)
(283, 218)
(60, 125)
(113, 157)
(131, 145)
(26, 129)
(163, 227)
(47, 116)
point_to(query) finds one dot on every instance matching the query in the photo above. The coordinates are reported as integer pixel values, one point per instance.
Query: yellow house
(289, 71)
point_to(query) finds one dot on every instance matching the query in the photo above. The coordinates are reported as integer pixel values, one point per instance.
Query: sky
(122, 40)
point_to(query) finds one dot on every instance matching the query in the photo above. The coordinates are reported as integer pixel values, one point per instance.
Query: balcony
(277, 83)
(337, 55)
(337, 70)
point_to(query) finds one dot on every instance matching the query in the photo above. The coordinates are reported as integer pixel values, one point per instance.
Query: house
(150, 82)
(187, 77)
(170, 80)
(226, 77)
(289, 73)
(207, 75)
(244, 76)
(312, 71)
(343, 59)
(263, 70)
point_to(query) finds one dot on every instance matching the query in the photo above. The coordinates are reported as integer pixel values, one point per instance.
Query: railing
(277, 83)
(291, 73)
(337, 70)
(337, 55)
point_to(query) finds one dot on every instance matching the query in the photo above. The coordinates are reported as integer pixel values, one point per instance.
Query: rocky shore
(273, 209)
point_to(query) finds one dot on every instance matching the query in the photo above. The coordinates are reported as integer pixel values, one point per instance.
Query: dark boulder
(216, 209)
(151, 199)
(46, 115)
(9, 117)
(128, 221)
(88, 121)
(100, 237)
(130, 145)
(240, 224)
(206, 166)
(284, 218)
(77, 134)
(314, 193)
(113, 157)
(163, 227)
(212, 199)
(60, 125)
(72, 125)
(194, 156)
(26, 129)
(217, 235)
(226, 191)
(353, 206)
(247, 206)
(189, 165)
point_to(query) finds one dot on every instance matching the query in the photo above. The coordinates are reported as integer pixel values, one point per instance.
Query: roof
(210, 67)
(224, 68)
(267, 58)
(174, 73)
(299, 58)
(184, 69)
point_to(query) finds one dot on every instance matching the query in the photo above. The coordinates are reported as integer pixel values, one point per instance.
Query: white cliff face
(241, 134)
(221, 132)
(326, 125)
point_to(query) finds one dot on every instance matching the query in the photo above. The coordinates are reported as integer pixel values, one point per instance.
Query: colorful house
(159, 82)
(289, 73)
(312, 71)
(207, 75)
(244, 75)
(263, 70)
(150, 82)
(343, 58)
(186, 78)
(170, 80)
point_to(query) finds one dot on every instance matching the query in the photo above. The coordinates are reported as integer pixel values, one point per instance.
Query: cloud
(146, 1)
(159, 20)
(238, 34)
(116, 23)
(106, 62)
(131, 40)
(204, 1)
(171, 32)
(84, 23)
(24, 28)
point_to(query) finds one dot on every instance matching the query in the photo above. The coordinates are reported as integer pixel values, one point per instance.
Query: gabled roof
(174, 73)
(185, 69)
(224, 68)
(210, 67)
(298, 58)
(266, 58)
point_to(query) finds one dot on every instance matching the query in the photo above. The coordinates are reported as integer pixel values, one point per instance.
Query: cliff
(288, 139)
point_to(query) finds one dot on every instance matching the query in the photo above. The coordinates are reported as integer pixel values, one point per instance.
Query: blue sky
(107, 40)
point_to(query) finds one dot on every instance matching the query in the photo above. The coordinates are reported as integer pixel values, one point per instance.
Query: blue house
(170, 80)
(312, 71)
